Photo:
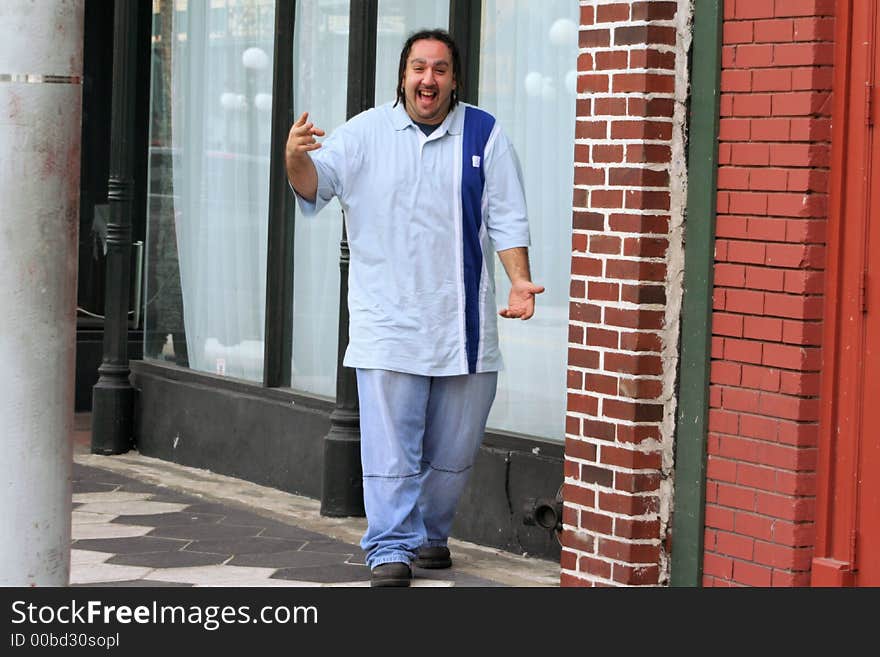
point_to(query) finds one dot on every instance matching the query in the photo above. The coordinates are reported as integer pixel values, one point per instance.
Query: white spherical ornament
(263, 102)
(534, 83)
(255, 58)
(563, 32)
(228, 100)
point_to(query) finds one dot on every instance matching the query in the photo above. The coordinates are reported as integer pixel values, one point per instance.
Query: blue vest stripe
(477, 128)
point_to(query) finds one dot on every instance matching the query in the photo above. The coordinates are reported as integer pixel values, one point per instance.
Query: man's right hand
(301, 138)
(300, 168)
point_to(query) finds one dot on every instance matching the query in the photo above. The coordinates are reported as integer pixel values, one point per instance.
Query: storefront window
(320, 84)
(209, 184)
(397, 19)
(528, 76)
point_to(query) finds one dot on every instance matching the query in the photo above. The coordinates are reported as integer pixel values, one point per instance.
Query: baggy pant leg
(392, 411)
(458, 407)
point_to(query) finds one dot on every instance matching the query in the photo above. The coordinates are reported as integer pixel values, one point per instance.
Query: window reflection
(320, 80)
(528, 73)
(208, 184)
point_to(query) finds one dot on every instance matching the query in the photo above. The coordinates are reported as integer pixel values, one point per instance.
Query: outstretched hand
(521, 302)
(301, 138)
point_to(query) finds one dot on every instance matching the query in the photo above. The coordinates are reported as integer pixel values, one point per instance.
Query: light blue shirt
(424, 216)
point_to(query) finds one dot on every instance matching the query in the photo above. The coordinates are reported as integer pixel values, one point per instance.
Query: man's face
(428, 81)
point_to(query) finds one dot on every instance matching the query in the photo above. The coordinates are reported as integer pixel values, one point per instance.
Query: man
(430, 187)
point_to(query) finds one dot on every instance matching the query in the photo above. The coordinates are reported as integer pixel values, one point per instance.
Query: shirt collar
(452, 123)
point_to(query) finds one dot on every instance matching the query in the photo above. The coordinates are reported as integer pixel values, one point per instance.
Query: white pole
(41, 46)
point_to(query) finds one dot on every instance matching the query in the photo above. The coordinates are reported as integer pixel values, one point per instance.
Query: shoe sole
(390, 582)
(433, 564)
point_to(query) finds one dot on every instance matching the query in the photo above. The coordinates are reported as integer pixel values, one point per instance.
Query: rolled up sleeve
(330, 164)
(507, 217)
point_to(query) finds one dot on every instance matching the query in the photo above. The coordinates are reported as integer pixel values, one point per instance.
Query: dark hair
(435, 35)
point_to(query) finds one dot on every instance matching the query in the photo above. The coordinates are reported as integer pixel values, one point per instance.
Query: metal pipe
(544, 512)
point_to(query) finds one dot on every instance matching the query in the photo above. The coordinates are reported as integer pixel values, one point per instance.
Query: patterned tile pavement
(140, 521)
(130, 533)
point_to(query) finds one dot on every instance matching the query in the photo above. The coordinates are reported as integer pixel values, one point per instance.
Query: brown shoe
(395, 573)
(433, 557)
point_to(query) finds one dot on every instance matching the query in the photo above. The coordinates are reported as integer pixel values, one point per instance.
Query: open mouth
(426, 95)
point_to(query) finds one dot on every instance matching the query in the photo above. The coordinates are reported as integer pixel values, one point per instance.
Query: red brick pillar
(625, 291)
(772, 200)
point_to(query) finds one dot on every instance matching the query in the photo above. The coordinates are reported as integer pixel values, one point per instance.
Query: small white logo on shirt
(475, 160)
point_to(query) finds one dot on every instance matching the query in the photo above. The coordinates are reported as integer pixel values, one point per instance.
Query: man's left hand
(521, 302)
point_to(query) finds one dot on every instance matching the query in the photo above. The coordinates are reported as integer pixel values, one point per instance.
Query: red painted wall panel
(774, 157)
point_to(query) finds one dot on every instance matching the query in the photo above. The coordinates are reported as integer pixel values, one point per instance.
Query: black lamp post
(112, 395)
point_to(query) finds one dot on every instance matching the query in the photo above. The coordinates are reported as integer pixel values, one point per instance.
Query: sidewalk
(140, 521)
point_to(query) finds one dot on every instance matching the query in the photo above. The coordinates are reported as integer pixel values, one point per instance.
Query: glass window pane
(397, 20)
(320, 85)
(528, 74)
(209, 184)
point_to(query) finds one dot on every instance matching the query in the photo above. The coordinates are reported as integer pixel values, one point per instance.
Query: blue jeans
(419, 438)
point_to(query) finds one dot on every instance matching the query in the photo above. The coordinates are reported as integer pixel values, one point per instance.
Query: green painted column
(696, 324)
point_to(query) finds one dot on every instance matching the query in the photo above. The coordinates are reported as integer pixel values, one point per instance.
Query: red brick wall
(626, 209)
(769, 260)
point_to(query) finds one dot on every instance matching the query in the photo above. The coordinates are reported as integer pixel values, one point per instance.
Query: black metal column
(342, 483)
(112, 396)
(464, 27)
(277, 355)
